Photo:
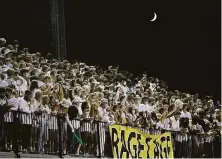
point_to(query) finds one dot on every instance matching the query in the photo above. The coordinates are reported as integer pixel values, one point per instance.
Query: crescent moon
(155, 16)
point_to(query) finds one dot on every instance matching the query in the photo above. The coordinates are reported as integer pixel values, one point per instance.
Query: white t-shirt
(10, 81)
(152, 86)
(185, 115)
(102, 112)
(146, 107)
(23, 86)
(24, 106)
(3, 84)
(166, 124)
(175, 124)
(35, 105)
(142, 108)
(13, 102)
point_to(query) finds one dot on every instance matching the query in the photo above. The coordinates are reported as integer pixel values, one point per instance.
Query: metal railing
(49, 134)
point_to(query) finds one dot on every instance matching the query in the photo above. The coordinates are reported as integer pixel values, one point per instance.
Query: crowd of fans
(31, 83)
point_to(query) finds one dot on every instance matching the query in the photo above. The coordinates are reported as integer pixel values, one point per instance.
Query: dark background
(181, 47)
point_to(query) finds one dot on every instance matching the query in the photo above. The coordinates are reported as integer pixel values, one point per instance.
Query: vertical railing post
(16, 140)
(1, 125)
(98, 139)
(60, 136)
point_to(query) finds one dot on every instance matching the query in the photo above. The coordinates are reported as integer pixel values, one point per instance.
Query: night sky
(181, 47)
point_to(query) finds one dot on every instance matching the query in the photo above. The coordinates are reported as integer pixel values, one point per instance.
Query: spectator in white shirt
(26, 120)
(21, 84)
(12, 100)
(37, 102)
(102, 108)
(175, 122)
(184, 112)
(24, 103)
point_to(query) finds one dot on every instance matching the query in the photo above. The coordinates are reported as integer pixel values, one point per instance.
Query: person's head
(2, 76)
(151, 101)
(184, 122)
(8, 61)
(114, 108)
(153, 116)
(85, 107)
(15, 44)
(145, 100)
(202, 114)
(185, 106)
(195, 119)
(45, 100)
(3, 93)
(104, 103)
(47, 79)
(148, 115)
(110, 97)
(218, 117)
(2, 42)
(38, 96)
(165, 107)
(137, 99)
(27, 95)
(208, 113)
(9, 92)
(78, 91)
(124, 82)
(10, 73)
(177, 115)
(25, 73)
(161, 110)
(41, 76)
(142, 114)
(132, 110)
(171, 108)
(34, 85)
(77, 102)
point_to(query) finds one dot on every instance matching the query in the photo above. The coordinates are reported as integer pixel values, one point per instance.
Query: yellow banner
(128, 142)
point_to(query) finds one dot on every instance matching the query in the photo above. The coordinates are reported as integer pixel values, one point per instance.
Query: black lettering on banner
(123, 148)
(168, 148)
(140, 147)
(162, 139)
(148, 146)
(132, 135)
(168, 140)
(115, 143)
(156, 149)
